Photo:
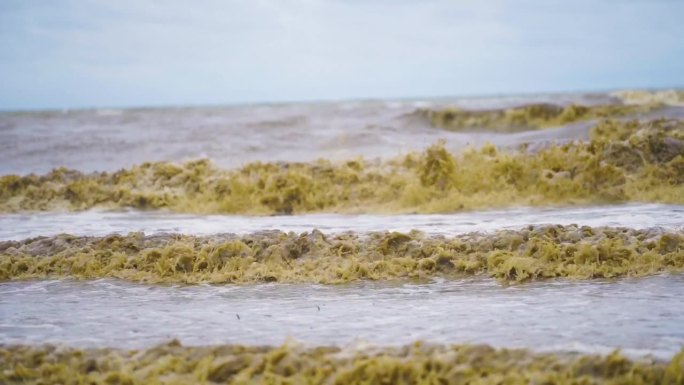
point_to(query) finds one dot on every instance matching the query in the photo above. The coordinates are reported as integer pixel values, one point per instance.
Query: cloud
(68, 53)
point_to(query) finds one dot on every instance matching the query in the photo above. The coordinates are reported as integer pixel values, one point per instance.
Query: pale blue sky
(96, 53)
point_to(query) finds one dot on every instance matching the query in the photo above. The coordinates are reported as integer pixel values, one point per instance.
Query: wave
(231, 136)
(533, 253)
(622, 162)
(667, 97)
(527, 117)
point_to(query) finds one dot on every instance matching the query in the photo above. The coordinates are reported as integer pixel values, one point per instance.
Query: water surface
(110, 139)
(641, 316)
(637, 216)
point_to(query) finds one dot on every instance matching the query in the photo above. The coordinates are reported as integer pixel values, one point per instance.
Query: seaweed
(533, 253)
(621, 162)
(527, 117)
(667, 97)
(292, 363)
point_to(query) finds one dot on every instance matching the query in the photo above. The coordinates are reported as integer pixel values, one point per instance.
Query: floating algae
(667, 97)
(531, 116)
(621, 162)
(418, 363)
(536, 252)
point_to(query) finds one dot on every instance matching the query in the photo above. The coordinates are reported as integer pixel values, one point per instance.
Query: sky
(123, 53)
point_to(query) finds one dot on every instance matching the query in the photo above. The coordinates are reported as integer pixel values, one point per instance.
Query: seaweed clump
(533, 253)
(667, 97)
(418, 363)
(531, 116)
(621, 161)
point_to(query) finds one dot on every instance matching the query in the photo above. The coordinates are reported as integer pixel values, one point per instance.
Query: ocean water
(107, 140)
(641, 316)
(100, 223)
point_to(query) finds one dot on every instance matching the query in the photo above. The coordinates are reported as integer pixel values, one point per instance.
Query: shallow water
(641, 316)
(637, 216)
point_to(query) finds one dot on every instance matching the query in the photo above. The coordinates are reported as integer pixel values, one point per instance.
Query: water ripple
(641, 316)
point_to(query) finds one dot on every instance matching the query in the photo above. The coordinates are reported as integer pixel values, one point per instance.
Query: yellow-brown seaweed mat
(536, 252)
(627, 161)
(531, 116)
(667, 97)
(417, 363)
